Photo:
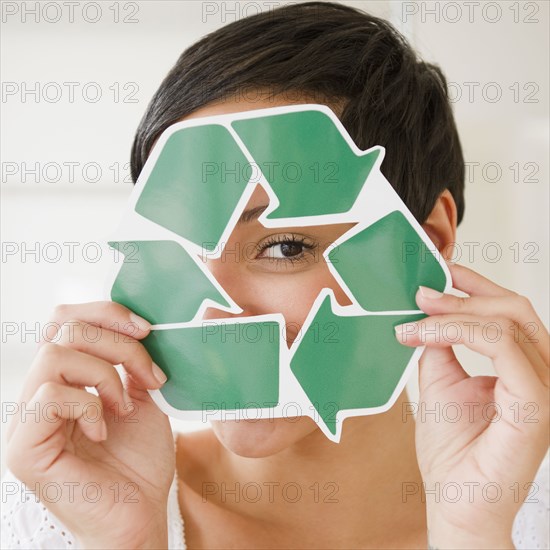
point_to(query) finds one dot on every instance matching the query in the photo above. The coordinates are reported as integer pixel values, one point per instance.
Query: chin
(262, 438)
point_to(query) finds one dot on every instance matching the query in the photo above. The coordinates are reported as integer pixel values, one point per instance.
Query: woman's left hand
(479, 439)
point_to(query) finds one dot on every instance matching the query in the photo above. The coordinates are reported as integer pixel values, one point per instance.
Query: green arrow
(195, 184)
(350, 362)
(204, 372)
(306, 160)
(384, 264)
(160, 281)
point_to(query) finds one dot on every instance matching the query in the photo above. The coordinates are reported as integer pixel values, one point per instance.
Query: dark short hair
(343, 55)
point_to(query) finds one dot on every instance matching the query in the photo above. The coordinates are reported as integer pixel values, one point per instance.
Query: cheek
(291, 294)
(288, 291)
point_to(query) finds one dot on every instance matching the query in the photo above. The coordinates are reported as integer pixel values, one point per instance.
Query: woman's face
(268, 270)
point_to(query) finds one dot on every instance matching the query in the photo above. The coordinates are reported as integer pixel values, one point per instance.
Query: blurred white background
(495, 54)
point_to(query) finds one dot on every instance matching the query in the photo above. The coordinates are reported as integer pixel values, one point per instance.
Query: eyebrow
(252, 213)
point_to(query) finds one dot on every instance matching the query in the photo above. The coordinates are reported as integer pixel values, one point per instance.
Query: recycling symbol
(187, 202)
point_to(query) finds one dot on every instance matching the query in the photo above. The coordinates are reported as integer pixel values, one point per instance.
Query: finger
(473, 283)
(115, 349)
(37, 443)
(491, 339)
(438, 366)
(109, 315)
(54, 363)
(532, 353)
(512, 306)
(64, 365)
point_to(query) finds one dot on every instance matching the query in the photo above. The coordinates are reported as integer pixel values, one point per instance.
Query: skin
(378, 458)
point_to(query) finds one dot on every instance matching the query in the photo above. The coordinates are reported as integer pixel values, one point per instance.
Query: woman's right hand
(103, 465)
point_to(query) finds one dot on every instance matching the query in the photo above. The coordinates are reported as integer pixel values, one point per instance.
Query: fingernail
(159, 374)
(399, 329)
(140, 322)
(103, 430)
(431, 293)
(409, 328)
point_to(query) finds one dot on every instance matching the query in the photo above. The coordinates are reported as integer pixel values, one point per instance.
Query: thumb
(439, 366)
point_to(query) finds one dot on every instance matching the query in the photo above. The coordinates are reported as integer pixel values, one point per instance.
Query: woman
(118, 482)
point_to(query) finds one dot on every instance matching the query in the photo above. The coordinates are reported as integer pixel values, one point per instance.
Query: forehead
(258, 98)
(249, 100)
(261, 98)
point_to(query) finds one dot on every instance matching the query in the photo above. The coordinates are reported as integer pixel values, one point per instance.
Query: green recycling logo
(183, 209)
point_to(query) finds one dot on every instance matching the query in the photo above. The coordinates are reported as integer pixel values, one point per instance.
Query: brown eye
(285, 249)
(289, 248)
